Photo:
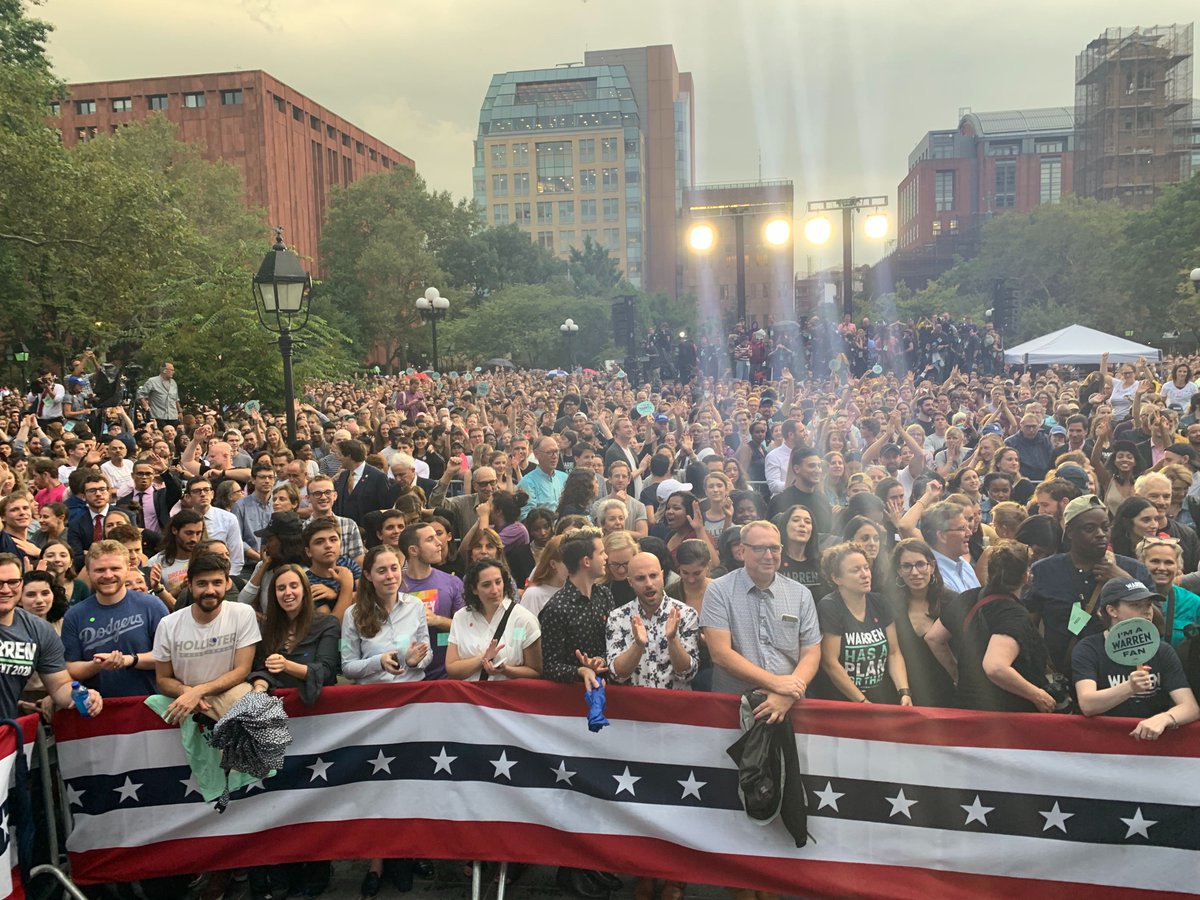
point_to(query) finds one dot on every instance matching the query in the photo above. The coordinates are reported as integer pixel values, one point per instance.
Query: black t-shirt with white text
(28, 645)
(1090, 662)
(864, 652)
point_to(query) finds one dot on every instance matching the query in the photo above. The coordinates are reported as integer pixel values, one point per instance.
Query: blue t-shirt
(91, 627)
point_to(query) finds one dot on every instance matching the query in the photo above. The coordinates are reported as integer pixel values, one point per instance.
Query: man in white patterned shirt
(653, 640)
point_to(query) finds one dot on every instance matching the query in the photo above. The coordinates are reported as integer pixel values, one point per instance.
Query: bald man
(653, 640)
(463, 511)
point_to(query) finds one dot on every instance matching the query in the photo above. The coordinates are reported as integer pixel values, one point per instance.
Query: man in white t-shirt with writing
(203, 652)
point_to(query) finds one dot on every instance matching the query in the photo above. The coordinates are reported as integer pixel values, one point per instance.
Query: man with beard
(203, 652)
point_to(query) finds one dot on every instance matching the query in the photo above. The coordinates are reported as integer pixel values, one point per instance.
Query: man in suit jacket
(360, 488)
(150, 500)
(82, 531)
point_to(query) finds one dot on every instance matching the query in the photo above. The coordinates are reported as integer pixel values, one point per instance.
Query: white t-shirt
(199, 653)
(174, 575)
(471, 633)
(1179, 396)
(120, 476)
(537, 596)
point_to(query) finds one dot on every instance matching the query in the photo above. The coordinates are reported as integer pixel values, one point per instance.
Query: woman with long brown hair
(917, 595)
(299, 646)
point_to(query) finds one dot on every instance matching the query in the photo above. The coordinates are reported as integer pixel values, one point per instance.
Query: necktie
(139, 500)
(350, 483)
(98, 528)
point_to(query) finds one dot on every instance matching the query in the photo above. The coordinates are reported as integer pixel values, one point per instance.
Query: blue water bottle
(80, 696)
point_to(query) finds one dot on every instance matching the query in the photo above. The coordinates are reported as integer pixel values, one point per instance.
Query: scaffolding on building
(1133, 113)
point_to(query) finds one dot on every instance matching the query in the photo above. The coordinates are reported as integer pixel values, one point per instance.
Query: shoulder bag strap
(499, 632)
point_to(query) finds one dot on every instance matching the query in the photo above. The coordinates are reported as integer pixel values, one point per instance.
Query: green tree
(1162, 245)
(495, 258)
(382, 240)
(593, 270)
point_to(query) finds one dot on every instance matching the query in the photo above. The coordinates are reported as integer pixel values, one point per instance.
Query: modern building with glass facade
(559, 153)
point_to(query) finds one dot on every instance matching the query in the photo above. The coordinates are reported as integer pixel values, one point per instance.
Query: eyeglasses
(320, 493)
(764, 549)
(200, 490)
(919, 566)
(11, 583)
(96, 490)
(613, 564)
(491, 483)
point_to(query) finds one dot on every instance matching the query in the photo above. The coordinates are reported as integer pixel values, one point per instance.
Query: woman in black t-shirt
(860, 653)
(917, 599)
(988, 643)
(801, 550)
(1156, 693)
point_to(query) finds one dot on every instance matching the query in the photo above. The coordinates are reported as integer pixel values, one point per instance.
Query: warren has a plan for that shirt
(864, 651)
(28, 645)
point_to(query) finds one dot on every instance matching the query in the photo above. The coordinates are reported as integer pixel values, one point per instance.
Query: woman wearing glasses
(861, 659)
(917, 596)
(1163, 557)
(1124, 387)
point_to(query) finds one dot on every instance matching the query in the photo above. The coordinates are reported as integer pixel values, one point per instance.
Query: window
(359, 147)
(55, 108)
(280, 104)
(546, 240)
(1054, 146)
(587, 181)
(85, 107)
(587, 210)
(314, 123)
(157, 101)
(612, 238)
(345, 140)
(522, 213)
(193, 100)
(545, 213)
(1051, 179)
(500, 214)
(520, 184)
(566, 238)
(612, 209)
(633, 210)
(1004, 149)
(85, 132)
(943, 191)
(371, 154)
(632, 149)
(555, 167)
(588, 234)
(499, 156)
(1006, 184)
(520, 154)
(387, 162)
(231, 98)
(297, 114)
(587, 150)
(499, 185)
(608, 149)
(122, 104)
(566, 212)
(330, 132)
(611, 180)
(937, 227)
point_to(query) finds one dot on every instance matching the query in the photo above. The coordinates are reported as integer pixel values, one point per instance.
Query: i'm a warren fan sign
(903, 803)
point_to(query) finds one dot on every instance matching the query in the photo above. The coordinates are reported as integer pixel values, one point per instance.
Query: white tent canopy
(1077, 345)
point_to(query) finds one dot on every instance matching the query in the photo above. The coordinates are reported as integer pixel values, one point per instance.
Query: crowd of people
(960, 537)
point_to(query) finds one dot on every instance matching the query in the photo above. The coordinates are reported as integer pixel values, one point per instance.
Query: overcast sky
(832, 93)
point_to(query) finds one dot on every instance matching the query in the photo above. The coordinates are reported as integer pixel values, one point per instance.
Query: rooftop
(1022, 121)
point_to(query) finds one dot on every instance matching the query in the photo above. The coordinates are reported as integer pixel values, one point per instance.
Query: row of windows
(189, 99)
(555, 181)
(519, 156)
(314, 122)
(566, 211)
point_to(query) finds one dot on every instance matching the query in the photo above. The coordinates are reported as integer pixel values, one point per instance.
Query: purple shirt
(442, 594)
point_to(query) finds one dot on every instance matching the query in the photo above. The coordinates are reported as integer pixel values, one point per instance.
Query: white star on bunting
(442, 762)
(190, 786)
(1055, 818)
(977, 812)
(829, 797)
(381, 763)
(901, 805)
(128, 790)
(503, 765)
(318, 769)
(691, 787)
(74, 797)
(561, 773)
(1138, 825)
(626, 782)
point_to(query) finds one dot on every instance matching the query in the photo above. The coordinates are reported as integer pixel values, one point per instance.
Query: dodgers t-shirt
(91, 627)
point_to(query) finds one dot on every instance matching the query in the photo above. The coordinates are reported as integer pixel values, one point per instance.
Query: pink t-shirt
(51, 495)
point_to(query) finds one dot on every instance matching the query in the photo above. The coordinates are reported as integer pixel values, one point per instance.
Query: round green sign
(1132, 642)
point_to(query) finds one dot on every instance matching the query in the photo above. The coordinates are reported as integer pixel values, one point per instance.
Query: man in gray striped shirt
(761, 628)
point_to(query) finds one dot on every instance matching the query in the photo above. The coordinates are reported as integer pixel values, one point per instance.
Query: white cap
(666, 488)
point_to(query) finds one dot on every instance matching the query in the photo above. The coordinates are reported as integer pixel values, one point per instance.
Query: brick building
(291, 150)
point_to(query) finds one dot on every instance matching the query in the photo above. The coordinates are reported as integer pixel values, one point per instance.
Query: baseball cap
(282, 524)
(1073, 474)
(706, 454)
(671, 486)
(1058, 429)
(1081, 505)
(889, 448)
(1182, 449)
(662, 418)
(76, 380)
(992, 428)
(1121, 590)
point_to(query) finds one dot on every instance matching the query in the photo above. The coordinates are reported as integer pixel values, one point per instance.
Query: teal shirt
(1187, 612)
(543, 490)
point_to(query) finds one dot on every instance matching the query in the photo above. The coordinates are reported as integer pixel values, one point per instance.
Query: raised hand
(673, 619)
(639, 631)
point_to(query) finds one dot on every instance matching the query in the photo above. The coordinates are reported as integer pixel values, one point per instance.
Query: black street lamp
(281, 292)
(569, 329)
(433, 307)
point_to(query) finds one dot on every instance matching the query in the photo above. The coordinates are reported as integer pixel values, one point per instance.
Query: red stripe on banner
(868, 722)
(540, 845)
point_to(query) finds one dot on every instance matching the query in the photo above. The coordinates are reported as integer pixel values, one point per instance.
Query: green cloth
(204, 760)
